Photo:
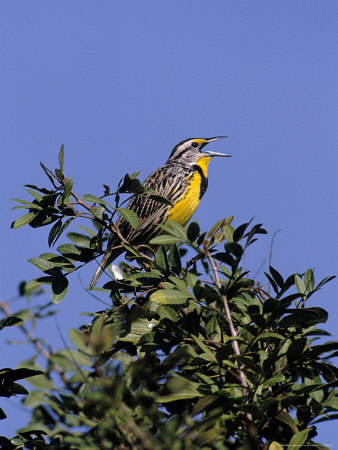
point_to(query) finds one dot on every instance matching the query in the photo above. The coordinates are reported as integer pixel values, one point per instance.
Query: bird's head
(191, 151)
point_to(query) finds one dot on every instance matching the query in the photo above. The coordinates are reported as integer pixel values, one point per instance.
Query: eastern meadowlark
(183, 180)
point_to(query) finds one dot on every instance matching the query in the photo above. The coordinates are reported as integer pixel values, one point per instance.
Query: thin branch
(228, 318)
(41, 350)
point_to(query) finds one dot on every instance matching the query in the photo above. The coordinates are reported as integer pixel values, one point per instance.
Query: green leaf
(10, 321)
(80, 341)
(239, 231)
(275, 446)
(69, 250)
(268, 335)
(215, 227)
(300, 284)
(278, 378)
(175, 259)
(166, 312)
(59, 175)
(51, 179)
(185, 394)
(59, 289)
(34, 194)
(129, 215)
(160, 199)
(41, 264)
(286, 418)
(91, 232)
(299, 439)
(30, 204)
(54, 232)
(67, 190)
(132, 185)
(144, 278)
(170, 297)
(92, 198)
(164, 239)
(175, 229)
(10, 375)
(309, 280)
(61, 157)
(32, 285)
(193, 231)
(272, 282)
(276, 276)
(80, 239)
(24, 220)
(161, 259)
(205, 349)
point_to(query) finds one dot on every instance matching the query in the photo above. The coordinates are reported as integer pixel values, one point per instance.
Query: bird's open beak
(210, 153)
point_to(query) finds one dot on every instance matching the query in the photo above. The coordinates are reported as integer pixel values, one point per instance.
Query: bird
(183, 180)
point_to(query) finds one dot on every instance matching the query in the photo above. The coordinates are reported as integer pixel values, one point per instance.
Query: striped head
(190, 151)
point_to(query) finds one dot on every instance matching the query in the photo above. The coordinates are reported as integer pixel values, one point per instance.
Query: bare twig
(8, 313)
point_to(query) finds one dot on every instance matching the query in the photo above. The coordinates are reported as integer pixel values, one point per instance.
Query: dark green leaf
(193, 231)
(59, 289)
(175, 259)
(54, 232)
(305, 316)
(239, 232)
(51, 179)
(61, 157)
(225, 258)
(234, 248)
(10, 375)
(131, 185)
(272, 282)
(10, 321)
(277, 277)
(296, 349)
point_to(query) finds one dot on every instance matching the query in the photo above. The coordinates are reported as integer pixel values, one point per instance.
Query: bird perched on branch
(182, 180)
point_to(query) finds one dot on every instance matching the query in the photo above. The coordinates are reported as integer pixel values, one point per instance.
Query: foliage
(190, 353)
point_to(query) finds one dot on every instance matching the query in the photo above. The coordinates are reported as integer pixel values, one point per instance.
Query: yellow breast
(182, 212)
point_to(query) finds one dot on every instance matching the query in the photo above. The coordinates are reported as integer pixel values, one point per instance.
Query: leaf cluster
(190, 351)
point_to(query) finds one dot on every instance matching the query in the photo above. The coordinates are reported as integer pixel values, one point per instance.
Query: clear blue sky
(120, 83)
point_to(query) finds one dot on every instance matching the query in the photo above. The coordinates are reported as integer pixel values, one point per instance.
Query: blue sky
(120, 83)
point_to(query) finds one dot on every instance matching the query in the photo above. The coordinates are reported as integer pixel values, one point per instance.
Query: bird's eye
(194, 144)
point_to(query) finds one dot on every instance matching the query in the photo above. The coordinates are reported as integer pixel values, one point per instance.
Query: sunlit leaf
(169, 297)
(24, 220)
(299, 439)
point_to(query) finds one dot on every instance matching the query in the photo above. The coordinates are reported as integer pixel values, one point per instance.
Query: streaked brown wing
(150, 212)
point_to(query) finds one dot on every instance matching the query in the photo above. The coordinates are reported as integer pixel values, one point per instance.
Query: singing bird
(183, 180)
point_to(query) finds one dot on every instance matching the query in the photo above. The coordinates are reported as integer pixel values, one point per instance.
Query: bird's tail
(106, 260)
